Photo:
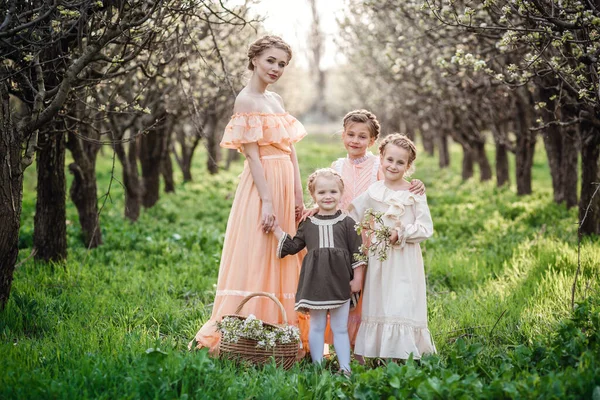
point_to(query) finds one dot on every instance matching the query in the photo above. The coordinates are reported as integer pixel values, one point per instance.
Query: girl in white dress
(394, 312)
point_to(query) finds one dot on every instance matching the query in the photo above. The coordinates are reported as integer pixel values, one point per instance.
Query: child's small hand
(394, 237)
(417, 187)
(355, 285)
(277, 231)
(309, 212)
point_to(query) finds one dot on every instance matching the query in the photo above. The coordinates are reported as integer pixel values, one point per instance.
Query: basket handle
(264, 294)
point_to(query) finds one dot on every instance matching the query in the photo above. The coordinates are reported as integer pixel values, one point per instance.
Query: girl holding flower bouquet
(329, 273)
(359, 169)
(394, 309)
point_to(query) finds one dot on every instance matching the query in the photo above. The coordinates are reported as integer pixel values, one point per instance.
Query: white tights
(339, 326)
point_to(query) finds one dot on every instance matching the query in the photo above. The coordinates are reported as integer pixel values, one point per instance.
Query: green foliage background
(115, 322)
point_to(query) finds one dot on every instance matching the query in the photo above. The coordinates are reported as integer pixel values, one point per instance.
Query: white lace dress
(394, 313)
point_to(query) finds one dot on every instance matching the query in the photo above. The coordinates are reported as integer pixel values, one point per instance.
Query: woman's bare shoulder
(278, 98)
(268, 103)
(245, 103)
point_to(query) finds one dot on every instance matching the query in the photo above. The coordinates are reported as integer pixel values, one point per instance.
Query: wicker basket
(246, 350)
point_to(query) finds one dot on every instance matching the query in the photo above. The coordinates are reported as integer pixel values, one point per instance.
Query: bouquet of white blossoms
(267, 336)
(377, 232)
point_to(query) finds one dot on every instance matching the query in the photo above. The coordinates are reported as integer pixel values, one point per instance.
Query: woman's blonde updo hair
(366, 117)
(324, 173)
(264, 43)
(404, 142)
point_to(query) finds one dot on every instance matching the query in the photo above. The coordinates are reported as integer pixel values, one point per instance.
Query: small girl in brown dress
(329, 273)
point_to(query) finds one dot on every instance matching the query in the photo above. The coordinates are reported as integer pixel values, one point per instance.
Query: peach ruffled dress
(249, 262)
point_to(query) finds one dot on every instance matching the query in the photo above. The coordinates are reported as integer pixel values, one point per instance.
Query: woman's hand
(417, 187)
(300, 211)
(267, 217)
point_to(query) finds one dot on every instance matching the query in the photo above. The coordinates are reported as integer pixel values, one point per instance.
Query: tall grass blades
(114, 322)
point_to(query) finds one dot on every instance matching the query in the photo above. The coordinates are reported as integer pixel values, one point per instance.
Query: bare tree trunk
(187, 152)
(399, 125)
(232, 155)
(166, 164)
(134, 186)
(11, 195)
(562, 158)
(552, 143)
(428, 140)
(525, 147)
(499, 132)
(131, 178)
(467, 162)
(185, 160)
(589, 205)
(186, 168)
(402, 127)
(212, 145)
(569, 165)
(316, 41)
(444, 154)
(213, 155)
(166, 169)
(151, 154)
(84, 189)
(502, 170)
(524, 163)
(561, 152)
(50, 228)
(485, 169)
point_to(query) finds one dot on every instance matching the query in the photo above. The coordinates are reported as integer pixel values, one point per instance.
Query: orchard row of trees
(155, 79)
(149, 78)
(459, 69)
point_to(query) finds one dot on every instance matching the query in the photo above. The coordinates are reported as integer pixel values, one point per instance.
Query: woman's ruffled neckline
(262, 128)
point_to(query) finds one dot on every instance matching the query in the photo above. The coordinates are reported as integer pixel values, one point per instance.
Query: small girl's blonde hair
(404, 142)
(324, 173)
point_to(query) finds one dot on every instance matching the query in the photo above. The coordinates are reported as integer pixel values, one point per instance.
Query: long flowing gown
(394, 313)
(249, 262)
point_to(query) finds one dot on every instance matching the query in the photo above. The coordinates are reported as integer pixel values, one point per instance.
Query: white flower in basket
(250, 340)
(267, 336)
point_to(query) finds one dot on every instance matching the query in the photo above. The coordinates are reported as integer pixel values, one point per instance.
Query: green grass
(115, 322)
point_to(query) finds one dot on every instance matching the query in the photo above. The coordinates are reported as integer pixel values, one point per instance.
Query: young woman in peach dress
(269, 190)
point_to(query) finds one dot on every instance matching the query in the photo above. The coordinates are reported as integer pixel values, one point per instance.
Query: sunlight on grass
(115, 321)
